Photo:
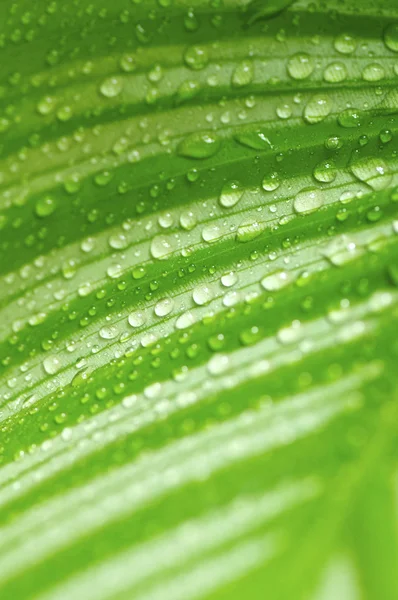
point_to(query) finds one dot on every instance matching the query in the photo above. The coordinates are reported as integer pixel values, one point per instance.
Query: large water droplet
(317, 109)
(249, 230)
(257, 139)
(243, 74)
(276, 281)
(51, 365)
(136, 319)
(161, 247)
(218, 364)
(111, 87)
(270, 182)
(45, 207)
(196, 58)
(202, 294)
(108, 332)
(212, 232)
(335, 72)
(300, 66)
(231, 193)
(308, 201)
(391, 37)
(164, 307)
(199, 145)
(373, 171)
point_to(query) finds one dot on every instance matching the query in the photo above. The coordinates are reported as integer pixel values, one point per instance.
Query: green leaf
(198, 300)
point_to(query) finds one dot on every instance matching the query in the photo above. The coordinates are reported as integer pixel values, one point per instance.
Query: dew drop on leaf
(391, 37)
(45, 206)
(243, 74)
(108, 332)
(276, 281)
(300, 66)
(345, 44)
(270, 182)
(164, 307)
(317, 109)
(161, 247)
(257, 139)
(196, 57)
(231, 193)
(373, 171)
(51, 365)
(308, 200)
(336, 72)
(111, 87)
(202, 294)
(199, 145)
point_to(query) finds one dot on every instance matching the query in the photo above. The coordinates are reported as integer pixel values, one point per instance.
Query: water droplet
(325, 172)
(161, 247)
(300, 66)
(342, 250)
(212, 232)
(202, 294)
(276, 281)
(111, 87)
(187, 220)
(199, 145)
(373, 171)
(243, 74)
(185, 320)
(229, 279)
(46, 105)
(218, 364)
(51, 365)
(351, 117)
(345, 44)
(391, 37)
(317, 109)
(231, 193)
(270, 182)
(249, 230)
(164, 307)
(45, 206)
(196, 58)
(335, 72)
(108, 332)
(118, 241)
(308, 200)
(257, 139)
(136, 319)
(114, 271)
(373, 72)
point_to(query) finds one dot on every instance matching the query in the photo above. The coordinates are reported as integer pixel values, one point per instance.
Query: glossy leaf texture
(198, 299)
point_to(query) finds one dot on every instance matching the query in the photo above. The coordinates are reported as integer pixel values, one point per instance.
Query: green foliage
(198, 299)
